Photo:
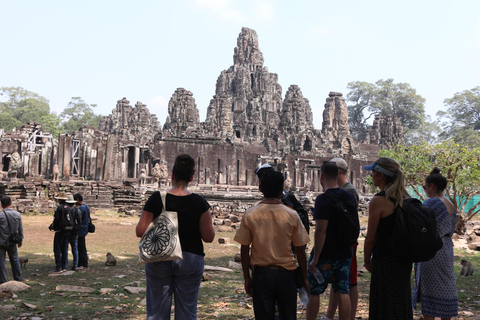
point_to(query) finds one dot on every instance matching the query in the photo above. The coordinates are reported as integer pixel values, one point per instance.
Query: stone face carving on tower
(335, 117)
(247, 53)
(386, 131)
(183, 116)
(134, 124)
(296, 114)
(248, 98)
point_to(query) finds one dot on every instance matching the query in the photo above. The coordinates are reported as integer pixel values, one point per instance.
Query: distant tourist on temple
(390, 292)
(178, 278)
(435, 285)
(10, 221)
(61, 228)
(343, 182)
(266, 232)
(82, 246)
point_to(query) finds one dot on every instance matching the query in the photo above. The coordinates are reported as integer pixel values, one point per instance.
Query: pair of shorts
(336, 272)
(353, 266)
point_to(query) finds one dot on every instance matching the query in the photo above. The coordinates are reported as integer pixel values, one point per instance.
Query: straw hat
(61, 196)
(70, 199)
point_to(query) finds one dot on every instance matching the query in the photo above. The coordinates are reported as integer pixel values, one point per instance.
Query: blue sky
(143, 50)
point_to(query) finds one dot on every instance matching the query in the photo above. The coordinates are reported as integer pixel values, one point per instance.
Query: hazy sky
(103, 51)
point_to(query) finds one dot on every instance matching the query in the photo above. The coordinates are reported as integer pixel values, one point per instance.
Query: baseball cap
(341, 163)
(262, 169)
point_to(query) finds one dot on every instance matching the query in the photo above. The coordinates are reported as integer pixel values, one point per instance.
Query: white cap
(342, 164)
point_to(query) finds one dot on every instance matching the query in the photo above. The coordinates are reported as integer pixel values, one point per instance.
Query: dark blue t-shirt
(324, 207)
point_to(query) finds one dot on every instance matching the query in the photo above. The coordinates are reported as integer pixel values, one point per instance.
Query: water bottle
(302, 293)
(318, 276)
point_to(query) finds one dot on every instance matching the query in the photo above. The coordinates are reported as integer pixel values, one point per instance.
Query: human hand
(368, 266)
(248, 287)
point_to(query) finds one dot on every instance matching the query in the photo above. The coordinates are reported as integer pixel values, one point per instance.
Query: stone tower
(296, 113)
(247, 98)
(386, 131)
(183, 117)
(335, 129)
(132, 124)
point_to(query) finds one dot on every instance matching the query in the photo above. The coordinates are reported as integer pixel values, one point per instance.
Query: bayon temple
(130, 154)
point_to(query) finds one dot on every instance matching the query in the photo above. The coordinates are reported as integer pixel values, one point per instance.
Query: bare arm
(245, 256)
(206, 227)
(145, 219)
(319, 242)
(374, 215)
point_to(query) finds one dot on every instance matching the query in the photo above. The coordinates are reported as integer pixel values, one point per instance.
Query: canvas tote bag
(161, 242)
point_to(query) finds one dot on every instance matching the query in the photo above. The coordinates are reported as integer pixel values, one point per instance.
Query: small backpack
(415, 236)
(289, 199)
(77, 219)
(67, 218)
(345, 221)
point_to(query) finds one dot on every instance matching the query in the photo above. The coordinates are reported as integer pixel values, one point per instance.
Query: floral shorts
(336, 272)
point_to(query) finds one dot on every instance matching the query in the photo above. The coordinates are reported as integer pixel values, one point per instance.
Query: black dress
(390, 291)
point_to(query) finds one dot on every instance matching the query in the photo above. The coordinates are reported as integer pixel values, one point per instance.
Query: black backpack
(77, 219)
(67, 218)
(415, 237)
(346, 226)
(289, 199)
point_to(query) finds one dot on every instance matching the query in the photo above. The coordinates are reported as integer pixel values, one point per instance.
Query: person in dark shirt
(180, 278)
(332, 262)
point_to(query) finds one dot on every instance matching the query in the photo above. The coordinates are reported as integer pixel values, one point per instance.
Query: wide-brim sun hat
(61, 196)
(70, 199)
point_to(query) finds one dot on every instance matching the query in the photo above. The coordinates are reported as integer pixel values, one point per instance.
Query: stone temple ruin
(247, 124)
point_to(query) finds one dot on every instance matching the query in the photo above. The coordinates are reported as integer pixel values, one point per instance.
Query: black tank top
(384, 232)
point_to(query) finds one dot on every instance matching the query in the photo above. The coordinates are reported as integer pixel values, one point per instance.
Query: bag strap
(163, 194)
(8, 221)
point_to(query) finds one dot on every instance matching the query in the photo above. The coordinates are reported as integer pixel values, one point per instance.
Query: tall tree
(78, 113)
(458, 163)
(386, 98)
(25, 106)
(462, 118)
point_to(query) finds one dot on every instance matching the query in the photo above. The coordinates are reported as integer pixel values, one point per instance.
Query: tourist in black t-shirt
(178, 277)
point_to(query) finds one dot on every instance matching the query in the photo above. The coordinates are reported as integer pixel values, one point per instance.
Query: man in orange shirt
(269, 228)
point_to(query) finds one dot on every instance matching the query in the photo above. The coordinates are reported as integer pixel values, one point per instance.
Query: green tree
(22, 106)
(458, 163)
(78, 114)
(15, 95)
(462, 118)
(386, 98)
(7, 121)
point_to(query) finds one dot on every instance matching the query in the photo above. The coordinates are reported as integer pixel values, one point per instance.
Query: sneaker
(57, 271)
(81, 268)
(74, 269)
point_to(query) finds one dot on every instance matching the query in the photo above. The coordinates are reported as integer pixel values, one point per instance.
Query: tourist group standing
(273, 237)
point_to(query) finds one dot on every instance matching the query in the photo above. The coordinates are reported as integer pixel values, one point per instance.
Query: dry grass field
(221, 297)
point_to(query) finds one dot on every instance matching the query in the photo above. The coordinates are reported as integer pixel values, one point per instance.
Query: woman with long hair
(178, 277)
(435, 285)
(390, 293)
